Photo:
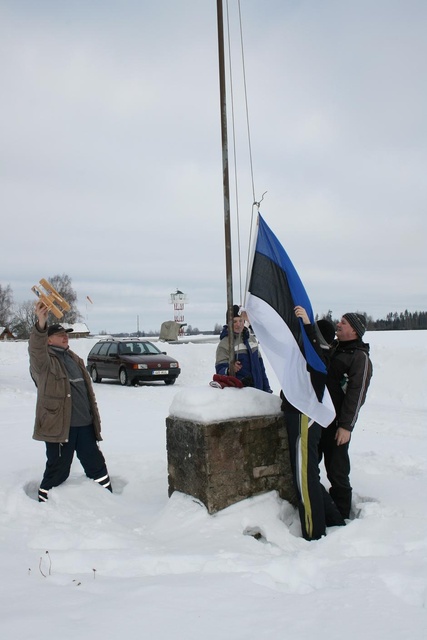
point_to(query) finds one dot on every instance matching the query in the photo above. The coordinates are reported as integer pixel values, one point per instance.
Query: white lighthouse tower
(178, 299)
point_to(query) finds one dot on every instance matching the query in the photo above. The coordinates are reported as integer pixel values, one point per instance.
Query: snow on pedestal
(225, 445)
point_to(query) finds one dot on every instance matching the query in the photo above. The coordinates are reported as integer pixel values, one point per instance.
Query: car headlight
(174, 365)
(141, 366)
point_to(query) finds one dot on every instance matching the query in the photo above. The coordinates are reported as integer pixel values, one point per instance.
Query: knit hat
(357, 321)
(236, 312)
(327, 330)
(57, 328)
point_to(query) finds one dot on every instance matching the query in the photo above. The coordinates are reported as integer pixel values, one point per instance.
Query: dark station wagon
(130, 362)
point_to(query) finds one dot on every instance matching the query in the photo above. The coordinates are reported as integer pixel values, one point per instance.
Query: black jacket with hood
(349, 374)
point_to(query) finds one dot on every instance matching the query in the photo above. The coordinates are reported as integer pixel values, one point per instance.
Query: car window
(126, 349)
(137, 348)
(94, 351)
(113, 349)
(150, 347)
(104, 348)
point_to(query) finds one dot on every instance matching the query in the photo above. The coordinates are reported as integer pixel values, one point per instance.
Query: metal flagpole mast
(226, 185)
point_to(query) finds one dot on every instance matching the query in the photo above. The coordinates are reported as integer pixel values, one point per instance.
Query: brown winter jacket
(53, 409)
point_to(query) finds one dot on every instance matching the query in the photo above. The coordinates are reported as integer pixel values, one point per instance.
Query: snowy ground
(137, 564)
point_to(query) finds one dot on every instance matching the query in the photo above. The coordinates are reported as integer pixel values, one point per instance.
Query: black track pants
(316, 508)
(60, 456)
(337, 465)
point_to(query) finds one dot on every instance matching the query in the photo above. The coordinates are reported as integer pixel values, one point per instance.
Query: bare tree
(217, 328)
(23, 320)
(192, 331)
(6, 303)
(63, 286)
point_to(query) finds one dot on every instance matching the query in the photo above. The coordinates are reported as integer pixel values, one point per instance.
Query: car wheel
(170, 381)
(124, 378)
(94, 375)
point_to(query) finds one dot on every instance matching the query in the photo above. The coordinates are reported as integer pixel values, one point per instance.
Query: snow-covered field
(137, 564)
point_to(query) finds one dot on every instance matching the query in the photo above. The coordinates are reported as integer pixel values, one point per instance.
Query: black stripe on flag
(269, 283)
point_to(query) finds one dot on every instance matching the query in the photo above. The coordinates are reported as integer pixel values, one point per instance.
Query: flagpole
(226, 186)
(251, 259)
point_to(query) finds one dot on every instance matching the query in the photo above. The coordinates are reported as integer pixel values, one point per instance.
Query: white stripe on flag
(288, 363)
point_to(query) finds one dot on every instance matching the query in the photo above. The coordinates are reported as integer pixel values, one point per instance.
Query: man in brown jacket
(67, 417)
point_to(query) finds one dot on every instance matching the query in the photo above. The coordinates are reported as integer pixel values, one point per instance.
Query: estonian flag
(274, 290)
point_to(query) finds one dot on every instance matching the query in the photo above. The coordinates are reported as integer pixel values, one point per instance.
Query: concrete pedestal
(221, 463)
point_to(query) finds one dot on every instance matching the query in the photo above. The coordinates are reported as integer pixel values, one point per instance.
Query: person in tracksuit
(316, 508)
(349, 375)
(67, 417)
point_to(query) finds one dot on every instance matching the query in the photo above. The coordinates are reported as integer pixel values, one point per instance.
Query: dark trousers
(337, 465)
(316, 507)
(60, 456)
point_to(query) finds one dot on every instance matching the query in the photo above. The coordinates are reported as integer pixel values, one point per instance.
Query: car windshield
(137, 348)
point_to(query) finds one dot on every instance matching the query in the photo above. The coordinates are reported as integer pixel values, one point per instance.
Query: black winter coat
(349, 374)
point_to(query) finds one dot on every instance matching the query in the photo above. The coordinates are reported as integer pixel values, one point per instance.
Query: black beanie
(236, 312)
(327, 330)
(357, 321)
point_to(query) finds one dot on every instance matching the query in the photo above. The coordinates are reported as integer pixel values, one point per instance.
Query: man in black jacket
(349, 374)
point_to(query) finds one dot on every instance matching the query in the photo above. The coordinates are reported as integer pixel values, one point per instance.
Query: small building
(80, 329)
(6, 334)
(170, 330)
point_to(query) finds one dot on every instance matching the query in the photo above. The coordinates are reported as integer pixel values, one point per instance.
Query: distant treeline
(393, 321)
(396, 321)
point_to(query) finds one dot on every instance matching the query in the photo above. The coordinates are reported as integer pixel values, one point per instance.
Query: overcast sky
(111, 163)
